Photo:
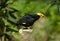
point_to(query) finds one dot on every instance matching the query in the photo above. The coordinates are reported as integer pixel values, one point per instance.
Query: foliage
(12, 10)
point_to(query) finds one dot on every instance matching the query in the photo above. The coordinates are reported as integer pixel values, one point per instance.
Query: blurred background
(13, 10)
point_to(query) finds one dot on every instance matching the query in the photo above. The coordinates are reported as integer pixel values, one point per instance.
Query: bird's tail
(11, 22)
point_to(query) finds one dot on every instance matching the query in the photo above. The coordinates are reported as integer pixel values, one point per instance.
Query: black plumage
(27, 20)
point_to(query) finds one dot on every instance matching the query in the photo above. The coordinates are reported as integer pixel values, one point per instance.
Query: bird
(28, 20)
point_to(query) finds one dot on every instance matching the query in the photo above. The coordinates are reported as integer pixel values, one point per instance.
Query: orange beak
(40, 14)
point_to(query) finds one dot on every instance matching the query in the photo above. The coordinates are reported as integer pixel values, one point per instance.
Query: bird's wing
(24, 20)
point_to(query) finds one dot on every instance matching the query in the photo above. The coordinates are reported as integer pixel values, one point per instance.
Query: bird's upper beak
(40, 14)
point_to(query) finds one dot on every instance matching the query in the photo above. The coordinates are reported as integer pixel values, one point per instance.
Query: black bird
(28, 20)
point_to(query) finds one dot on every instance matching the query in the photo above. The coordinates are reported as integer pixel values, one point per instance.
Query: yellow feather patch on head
(40, 14)
(23, 23)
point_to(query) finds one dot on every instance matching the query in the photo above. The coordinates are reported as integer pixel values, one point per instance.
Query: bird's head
(40, 14)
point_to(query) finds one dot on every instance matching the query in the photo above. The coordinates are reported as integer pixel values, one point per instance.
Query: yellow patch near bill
(23, 23)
